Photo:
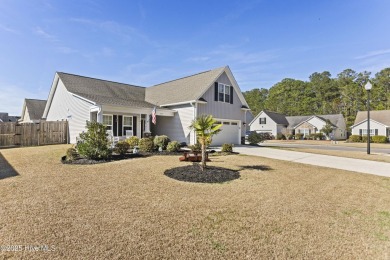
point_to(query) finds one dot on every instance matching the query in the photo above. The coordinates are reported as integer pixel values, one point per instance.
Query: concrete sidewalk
(343, 163)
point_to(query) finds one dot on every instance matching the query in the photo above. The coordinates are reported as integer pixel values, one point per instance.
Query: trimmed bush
(379, 139)
(196, 147)
(355, 138)
(280, 136)
(255, 138)
(289, 136)
(132, 141)
(227, 148)
(161, 141)
(94, 143)
(364, 139)
(122, 147)
(298, 136)
(71, 154)
(173, 146)
(146, 145)
(319, 136)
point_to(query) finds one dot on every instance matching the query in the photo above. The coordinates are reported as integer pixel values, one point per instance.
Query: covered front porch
(125, 122)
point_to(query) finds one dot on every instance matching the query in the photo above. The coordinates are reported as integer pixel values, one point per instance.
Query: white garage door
(228, 135)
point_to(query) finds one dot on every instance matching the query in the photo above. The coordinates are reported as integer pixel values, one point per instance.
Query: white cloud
(8, 29)
(39, 31)
(373, 54)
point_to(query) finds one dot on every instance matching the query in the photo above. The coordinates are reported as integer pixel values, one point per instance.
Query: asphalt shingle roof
(105, 92)
(35, 108)
(381, 116)
(277, 117)
(183, 89)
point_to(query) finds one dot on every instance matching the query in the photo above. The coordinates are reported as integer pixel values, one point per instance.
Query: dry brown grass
(130, 209)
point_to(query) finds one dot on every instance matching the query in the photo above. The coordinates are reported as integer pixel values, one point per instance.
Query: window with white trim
(263, 120)
(372, 132)
(223, 93)
(107, 121)
(128, 125)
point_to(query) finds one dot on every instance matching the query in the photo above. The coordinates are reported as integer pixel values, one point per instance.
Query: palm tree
(205, 127)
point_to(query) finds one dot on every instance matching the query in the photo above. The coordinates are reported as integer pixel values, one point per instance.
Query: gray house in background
(126, 109)
(276, 123)
(4, 117)
(32, 111)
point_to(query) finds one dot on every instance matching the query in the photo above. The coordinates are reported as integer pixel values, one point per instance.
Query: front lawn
(130, 209)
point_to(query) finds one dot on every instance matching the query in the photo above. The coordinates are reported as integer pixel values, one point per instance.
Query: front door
(117, 125)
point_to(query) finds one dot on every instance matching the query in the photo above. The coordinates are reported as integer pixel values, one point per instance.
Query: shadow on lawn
(256, 167)
(6, 170)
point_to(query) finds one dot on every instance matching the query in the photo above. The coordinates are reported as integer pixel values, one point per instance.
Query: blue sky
(149, 42)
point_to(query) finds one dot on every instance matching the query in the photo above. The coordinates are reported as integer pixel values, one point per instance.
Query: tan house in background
(32, 110)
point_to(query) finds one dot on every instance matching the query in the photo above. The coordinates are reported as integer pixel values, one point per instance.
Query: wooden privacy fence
(31, 134)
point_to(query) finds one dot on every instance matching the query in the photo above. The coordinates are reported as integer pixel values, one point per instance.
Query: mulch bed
(193, 173)
(114, 157)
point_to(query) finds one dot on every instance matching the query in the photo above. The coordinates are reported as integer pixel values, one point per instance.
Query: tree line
(323, 94)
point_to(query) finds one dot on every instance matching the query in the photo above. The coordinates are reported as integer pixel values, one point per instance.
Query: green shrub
(132, 141)
(146, 145)
(280, 136)
(255, 138)
(298, 136)
(355, 138)
(94, 143)
(364, 139)
(289, 136)
(173, 146)
(227, 148)
(196, 147)
(71, 154)
(122, 147)
(161, 141)
(311, 137)
(379, 139)
(319, 136)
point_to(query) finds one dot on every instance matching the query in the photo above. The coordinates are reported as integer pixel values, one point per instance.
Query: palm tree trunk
(203, 165)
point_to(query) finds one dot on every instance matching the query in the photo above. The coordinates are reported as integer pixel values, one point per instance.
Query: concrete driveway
(334, 147)
(349, 164)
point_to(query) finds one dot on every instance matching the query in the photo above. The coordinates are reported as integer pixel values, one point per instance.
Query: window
(263, 120)
(107, 121)
(372, 132)
(234, 123)
(223, 93)
(226, 123)
(128, 125)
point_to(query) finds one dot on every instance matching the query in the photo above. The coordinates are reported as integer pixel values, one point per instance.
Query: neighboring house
(276, 123)
(379, 123)
(4, 117)
(127, 109)
(32, 110)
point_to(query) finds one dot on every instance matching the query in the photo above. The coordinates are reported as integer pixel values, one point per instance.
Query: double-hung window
(263, 120)
(223, 93)
(128, 125)
(107, 121)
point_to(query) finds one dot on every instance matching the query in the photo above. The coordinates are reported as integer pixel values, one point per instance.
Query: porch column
(147, 125)
(100, 116)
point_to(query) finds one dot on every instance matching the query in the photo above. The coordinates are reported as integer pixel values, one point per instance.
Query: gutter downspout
(195, 114)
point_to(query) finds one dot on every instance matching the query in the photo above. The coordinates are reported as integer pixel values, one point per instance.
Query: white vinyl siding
(176, 127)
(269, 127)
(373, 125)
(65, 106)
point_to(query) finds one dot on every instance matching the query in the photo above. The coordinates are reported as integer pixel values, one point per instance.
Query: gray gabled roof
(278, 118)
(105, 92)
(381, 116)
(184, 89)
(335, 119)
(35, 108)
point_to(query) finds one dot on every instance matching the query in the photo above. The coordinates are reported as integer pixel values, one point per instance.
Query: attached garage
(230, 133)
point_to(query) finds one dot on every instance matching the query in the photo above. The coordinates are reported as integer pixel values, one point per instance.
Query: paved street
(349, 164)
